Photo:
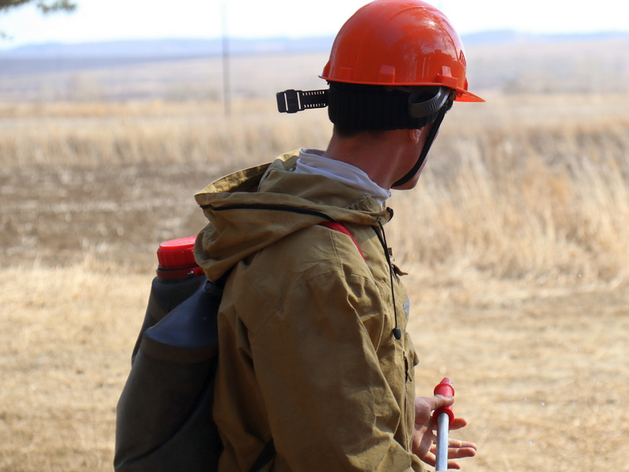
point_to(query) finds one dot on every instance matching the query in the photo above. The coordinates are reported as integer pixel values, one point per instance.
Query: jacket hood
(255, 207)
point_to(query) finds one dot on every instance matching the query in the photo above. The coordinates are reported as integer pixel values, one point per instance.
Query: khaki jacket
(307, 355)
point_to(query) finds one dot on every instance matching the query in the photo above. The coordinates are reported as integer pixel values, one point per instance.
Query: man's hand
(424, 445)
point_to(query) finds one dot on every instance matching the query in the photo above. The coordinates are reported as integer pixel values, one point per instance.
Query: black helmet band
(357, 107)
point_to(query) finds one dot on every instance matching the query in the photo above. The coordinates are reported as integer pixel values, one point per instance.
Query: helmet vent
(346, 74)
(386, 75)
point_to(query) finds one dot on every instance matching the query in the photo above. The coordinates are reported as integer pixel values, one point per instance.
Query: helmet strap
(292, 101)
(427, 145)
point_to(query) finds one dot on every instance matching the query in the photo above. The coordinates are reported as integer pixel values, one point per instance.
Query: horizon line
(323, 36)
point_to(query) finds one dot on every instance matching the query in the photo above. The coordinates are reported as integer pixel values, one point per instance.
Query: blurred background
(113, 114)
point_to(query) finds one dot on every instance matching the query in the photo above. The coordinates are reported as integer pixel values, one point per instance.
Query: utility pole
(226, 76)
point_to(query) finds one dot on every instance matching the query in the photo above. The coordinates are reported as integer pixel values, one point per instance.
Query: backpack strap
(340, 227)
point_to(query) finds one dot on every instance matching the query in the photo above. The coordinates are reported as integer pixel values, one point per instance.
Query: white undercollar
(312, 161)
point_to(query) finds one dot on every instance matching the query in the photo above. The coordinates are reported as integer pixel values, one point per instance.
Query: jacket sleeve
(331, 375)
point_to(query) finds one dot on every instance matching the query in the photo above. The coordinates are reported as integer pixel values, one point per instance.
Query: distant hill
(181, 69)
(166, 48)
(511, 36)
(188, 48)
(60, 57)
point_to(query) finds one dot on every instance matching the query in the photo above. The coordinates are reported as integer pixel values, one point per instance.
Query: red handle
(445, 389)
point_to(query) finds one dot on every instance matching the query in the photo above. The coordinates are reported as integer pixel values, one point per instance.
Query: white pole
(444, 415)
(443, 426)
(226, 76)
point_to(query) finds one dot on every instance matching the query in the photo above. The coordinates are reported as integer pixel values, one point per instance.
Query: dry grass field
(516, 240)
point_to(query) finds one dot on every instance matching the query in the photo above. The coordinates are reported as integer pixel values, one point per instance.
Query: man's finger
(458, 423)
(425, 405)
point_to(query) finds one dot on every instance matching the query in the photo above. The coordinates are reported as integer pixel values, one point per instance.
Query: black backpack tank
(164, 415)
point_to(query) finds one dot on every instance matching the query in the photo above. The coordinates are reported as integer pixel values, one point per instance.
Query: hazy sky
(98, 20)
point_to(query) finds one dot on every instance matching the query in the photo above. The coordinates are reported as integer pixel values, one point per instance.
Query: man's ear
(415, 135)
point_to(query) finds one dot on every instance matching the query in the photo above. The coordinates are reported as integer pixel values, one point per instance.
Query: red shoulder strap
(340, 227)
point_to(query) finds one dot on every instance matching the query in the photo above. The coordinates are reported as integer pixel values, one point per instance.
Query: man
(315, 364)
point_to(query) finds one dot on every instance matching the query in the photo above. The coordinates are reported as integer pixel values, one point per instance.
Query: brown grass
(156, 132)
(64, 357)
(516, 240)
(529, 199)
(539, 373)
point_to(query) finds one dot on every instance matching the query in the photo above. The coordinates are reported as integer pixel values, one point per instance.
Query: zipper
(397, 331)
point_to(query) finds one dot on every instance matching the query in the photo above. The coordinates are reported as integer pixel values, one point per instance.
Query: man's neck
(377, 155)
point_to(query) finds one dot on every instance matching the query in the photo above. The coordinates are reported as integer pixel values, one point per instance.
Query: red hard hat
(399, 43)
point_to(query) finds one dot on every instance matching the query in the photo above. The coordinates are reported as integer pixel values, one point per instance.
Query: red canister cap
(176, 254)
(176, 260)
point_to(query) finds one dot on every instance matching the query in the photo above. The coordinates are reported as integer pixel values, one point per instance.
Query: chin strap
(429, 140)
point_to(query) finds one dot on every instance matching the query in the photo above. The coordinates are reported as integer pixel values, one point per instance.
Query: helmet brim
(465, 96)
